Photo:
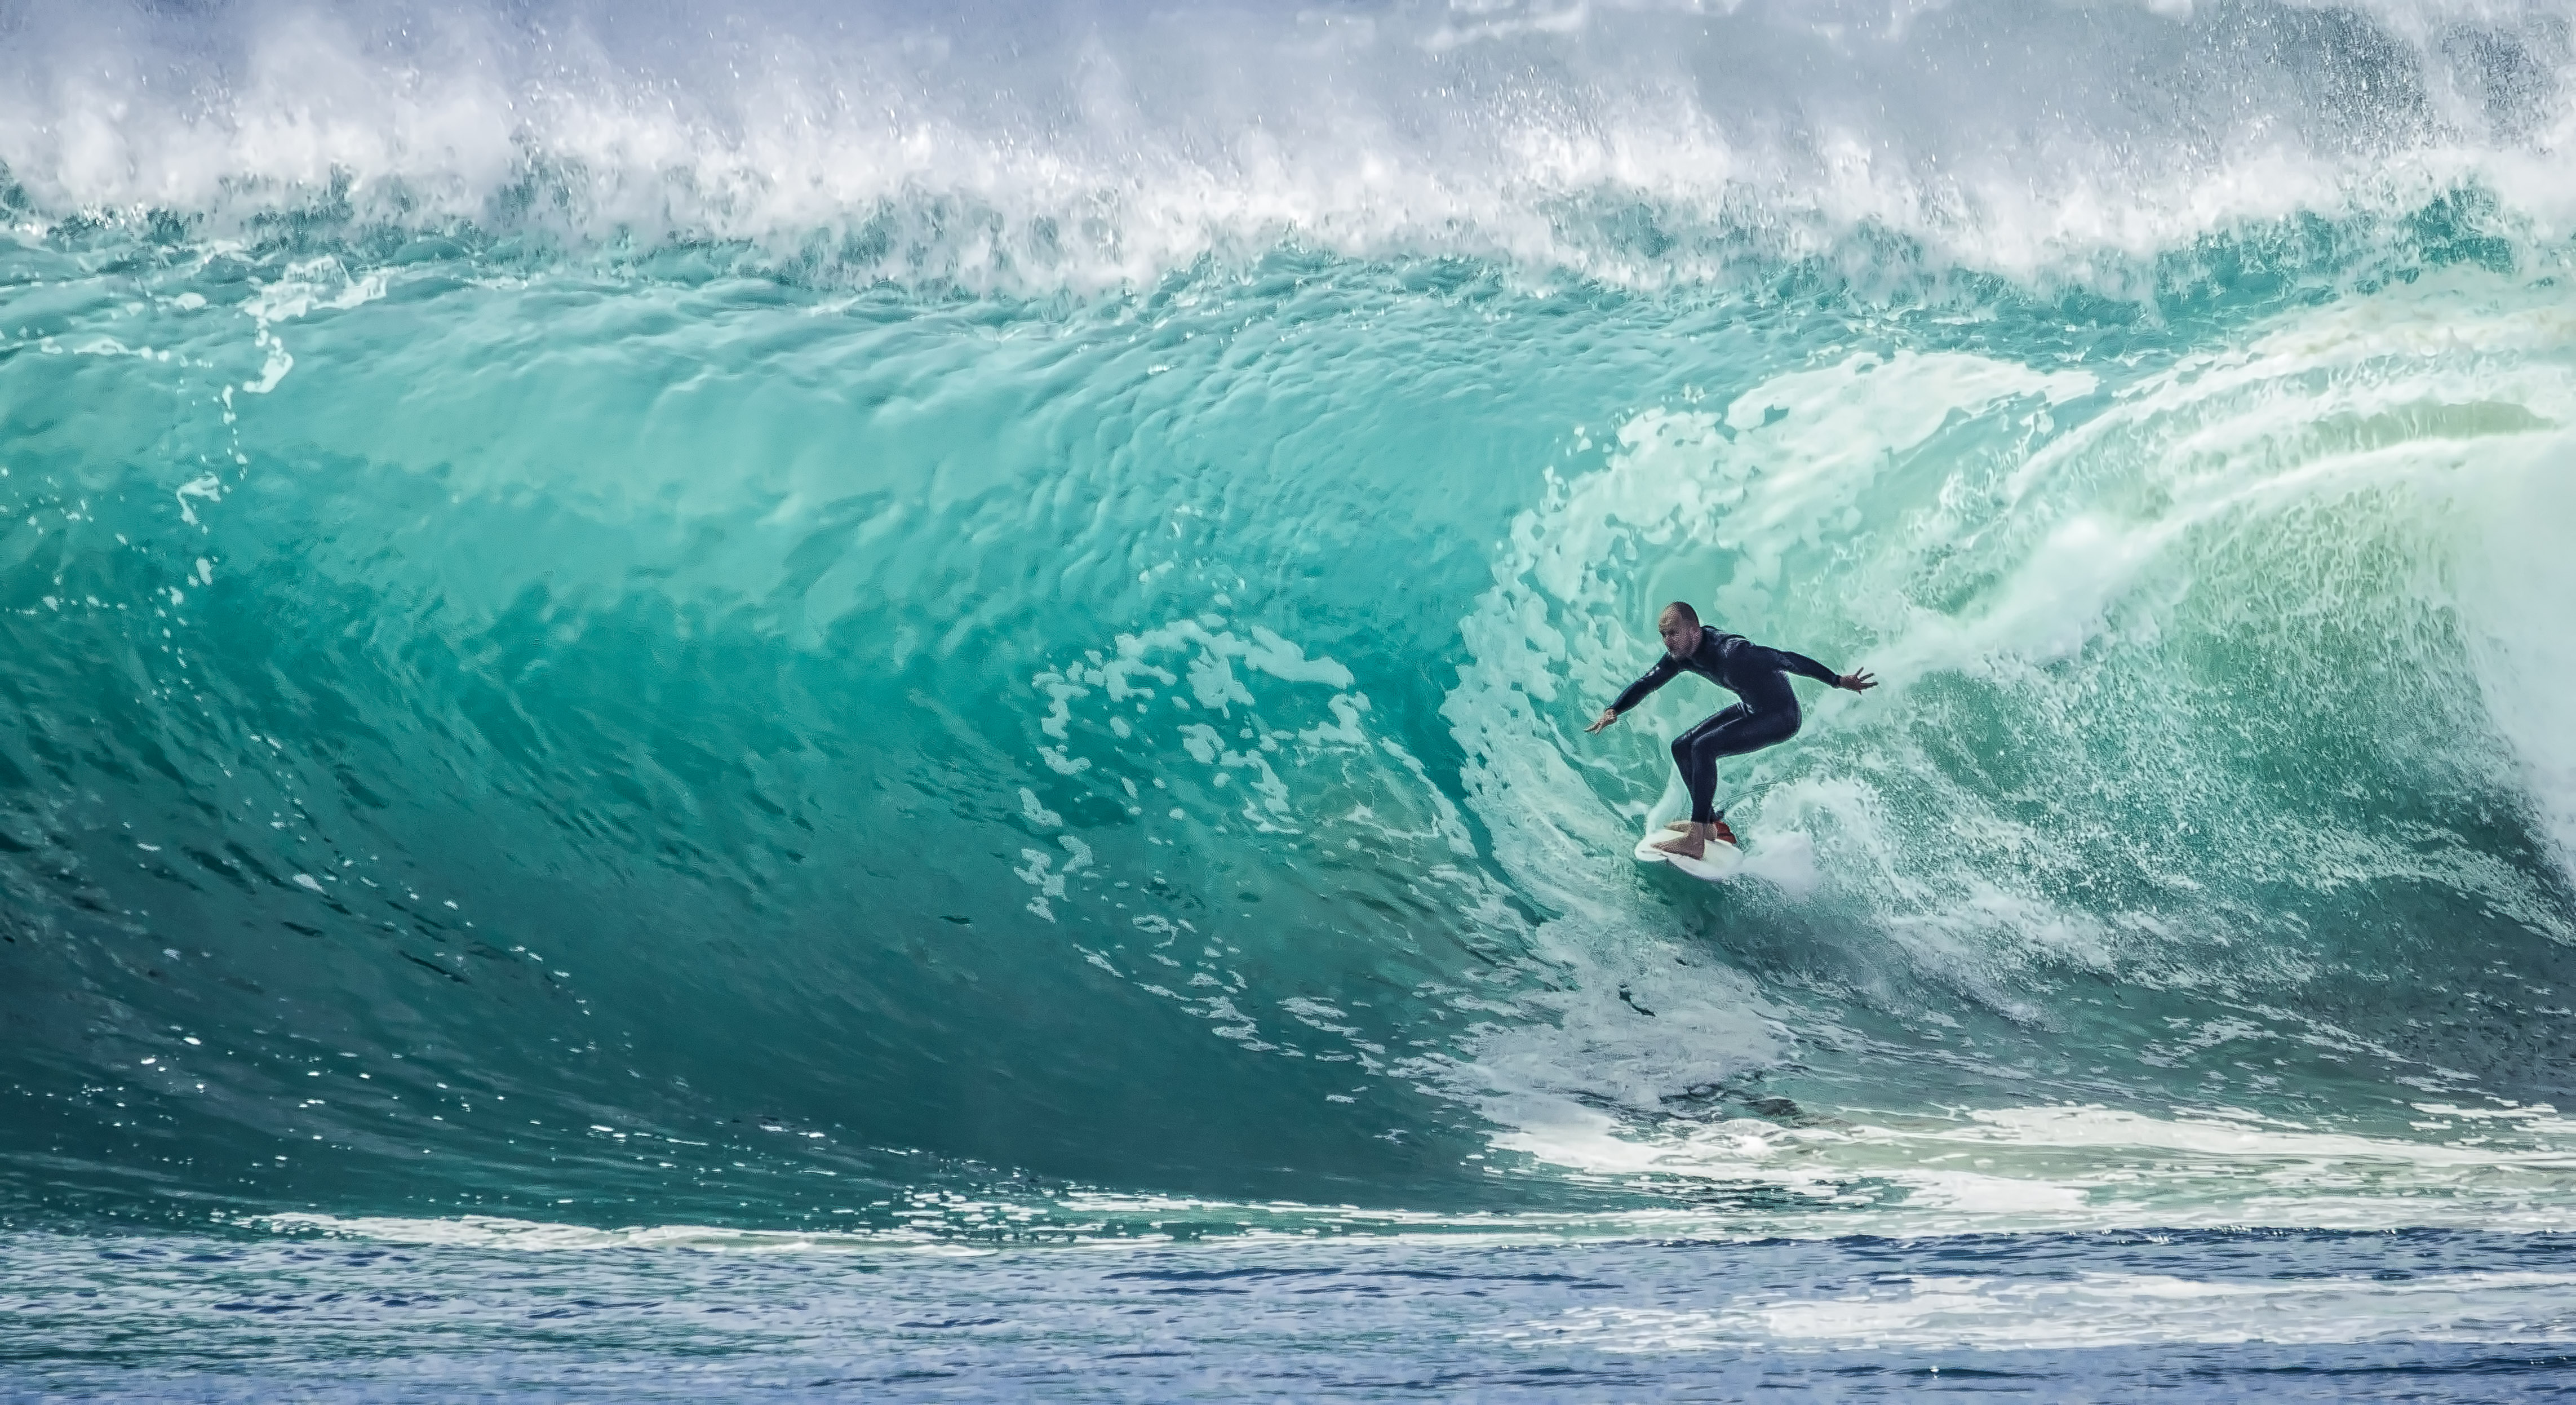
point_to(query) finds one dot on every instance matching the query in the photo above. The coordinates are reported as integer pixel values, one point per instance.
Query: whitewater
(832, 701)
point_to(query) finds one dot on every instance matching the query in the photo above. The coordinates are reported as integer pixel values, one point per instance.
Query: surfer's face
(1681, 634)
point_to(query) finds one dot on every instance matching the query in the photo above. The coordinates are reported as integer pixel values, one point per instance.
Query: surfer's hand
(1605, 719)
(1857, 681)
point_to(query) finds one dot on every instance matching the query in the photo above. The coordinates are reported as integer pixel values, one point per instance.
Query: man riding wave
(1767, 715)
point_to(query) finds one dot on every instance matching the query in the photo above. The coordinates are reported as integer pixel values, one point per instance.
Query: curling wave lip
(1626, 145)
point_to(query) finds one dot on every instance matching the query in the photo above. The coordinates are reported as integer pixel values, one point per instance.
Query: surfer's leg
(1698, 763)
(1730, 733)
(1698, 766)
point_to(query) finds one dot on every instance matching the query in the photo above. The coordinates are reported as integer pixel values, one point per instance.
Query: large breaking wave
(793, 619)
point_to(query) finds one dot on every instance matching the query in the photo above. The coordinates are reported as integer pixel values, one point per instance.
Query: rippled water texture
(2276, 1316)
(766, 673)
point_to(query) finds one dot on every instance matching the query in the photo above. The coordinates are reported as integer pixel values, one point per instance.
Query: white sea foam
(2066, 1168)
(2054, 1169)
(2087, 1311)
(1643, 142)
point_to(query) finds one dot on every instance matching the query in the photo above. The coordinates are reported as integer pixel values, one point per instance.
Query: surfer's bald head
(1679, 624)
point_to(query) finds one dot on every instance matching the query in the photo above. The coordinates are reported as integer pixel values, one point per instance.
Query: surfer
(1768, 713)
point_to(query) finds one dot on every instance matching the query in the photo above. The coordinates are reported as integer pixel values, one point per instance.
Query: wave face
(762, 621)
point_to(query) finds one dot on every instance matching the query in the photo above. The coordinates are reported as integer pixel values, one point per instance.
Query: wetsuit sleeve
(1656, 677)
(1803, 666)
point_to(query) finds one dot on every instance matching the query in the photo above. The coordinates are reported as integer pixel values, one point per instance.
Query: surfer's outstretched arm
(1662, 673)
(1856, 681)
(1666, 669)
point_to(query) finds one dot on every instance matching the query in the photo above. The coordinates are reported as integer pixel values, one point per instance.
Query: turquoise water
(642, 640)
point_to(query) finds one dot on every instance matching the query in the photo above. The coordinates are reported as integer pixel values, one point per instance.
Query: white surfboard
(1718, 863)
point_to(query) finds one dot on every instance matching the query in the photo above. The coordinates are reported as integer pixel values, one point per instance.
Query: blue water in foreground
(2280, 1316)
(775, 699)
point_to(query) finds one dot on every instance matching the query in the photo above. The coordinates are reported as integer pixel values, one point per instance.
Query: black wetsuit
(1768, 714)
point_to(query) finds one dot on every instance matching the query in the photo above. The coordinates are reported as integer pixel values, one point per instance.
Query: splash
(1102, 147)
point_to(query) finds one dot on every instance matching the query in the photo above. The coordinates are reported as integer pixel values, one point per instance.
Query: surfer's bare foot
(1692, 843)
(1679, 826)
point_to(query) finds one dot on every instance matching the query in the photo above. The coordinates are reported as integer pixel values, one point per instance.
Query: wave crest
(1640, 145)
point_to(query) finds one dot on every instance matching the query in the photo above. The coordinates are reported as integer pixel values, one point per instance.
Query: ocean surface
(781, 700)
